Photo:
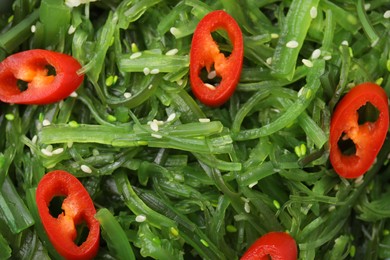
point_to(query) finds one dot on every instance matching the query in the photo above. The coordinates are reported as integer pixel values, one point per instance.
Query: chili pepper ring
(367, 137)
(77, 208)
(205, 53)
(38, 77)
(275, 245)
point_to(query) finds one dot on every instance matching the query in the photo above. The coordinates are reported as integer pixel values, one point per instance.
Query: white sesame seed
(58, 151)
(154, 126)
(331, 208)
(252, 184)
(154, 71)
(45, 122)
(327, 57)
(156, 135)
(359, 180)
(46, 152)
(73, 94)
(71, 29)
(345, 43)
(85, 168)
(376, 159)
(158, 122)
(307, 63)
(209, 86)
(180, 82)
(171, 117)
(127, 95)
(140, 218)
(174, 31)
(316, 54)
(34, 139)
(247, 207)
(313, 12)
(33, 28)
(386, 15)
(274, 35)
(146, 71)
(269, 60)
(75, 3)
(212, 74)
(150, 86)
(245, 199)
(292, 44)
(204, 120)
(300, 92)
(367, 6)
(172, 52)
(375, 43)
(135, 55)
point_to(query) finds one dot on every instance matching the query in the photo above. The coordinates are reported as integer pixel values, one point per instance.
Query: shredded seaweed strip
(172, 178)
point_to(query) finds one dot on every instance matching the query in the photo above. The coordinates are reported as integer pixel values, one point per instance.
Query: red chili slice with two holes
(276, 245)
(77, 208)
(38, 77)
(358, 129)
(205, 53)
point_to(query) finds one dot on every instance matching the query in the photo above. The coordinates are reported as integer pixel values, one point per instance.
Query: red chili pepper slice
(367, 137)
(38, 77)
(277, 245)
(205, 53)
(77, 208)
